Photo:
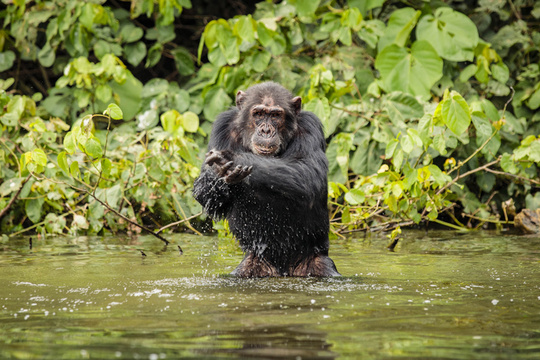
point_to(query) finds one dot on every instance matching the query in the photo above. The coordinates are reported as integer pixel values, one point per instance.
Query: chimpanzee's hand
(221, 162)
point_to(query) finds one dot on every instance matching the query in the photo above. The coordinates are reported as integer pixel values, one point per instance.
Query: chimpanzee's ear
(297, 104)
(240, 98)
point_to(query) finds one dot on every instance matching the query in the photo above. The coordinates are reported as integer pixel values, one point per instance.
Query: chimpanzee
(266, 173)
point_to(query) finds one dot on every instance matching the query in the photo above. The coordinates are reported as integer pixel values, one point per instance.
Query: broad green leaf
(534, 152)
(6, 60)
(183, 60)
(306, 8)
(215, 101)
(439, 144)
(271, 39)
(401, 107)
(46, 55)
(228, 43)
(261, 59)
(115, 112)
(69, 143)
(399, 27)
(10, 185)
(93, 148)
(33, 208)
(455, 113)
(170, 120)
(438, 175)
(466, 73)
(74, 169)
(114, 194)
(500, 72)
(131, 33)
(129, 97)
(321, 108)
(39, 157)
(62, 162)
(453, 35)
(190, 121)
(103, 92)
(413, 72)
(391, 148)
(508, 164)
(355, 197)
(244, 28)
(135, 53)
(484, 129)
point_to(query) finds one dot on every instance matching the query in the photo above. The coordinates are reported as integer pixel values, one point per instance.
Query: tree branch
(12, 201)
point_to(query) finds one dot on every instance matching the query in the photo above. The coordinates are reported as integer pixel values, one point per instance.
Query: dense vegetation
(430, 108)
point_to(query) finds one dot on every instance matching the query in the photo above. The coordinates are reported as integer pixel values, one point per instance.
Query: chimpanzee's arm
(300, 173)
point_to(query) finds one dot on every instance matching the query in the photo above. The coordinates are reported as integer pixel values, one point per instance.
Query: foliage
(430, 109)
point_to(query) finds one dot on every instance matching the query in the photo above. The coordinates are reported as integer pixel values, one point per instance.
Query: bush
(430, 110)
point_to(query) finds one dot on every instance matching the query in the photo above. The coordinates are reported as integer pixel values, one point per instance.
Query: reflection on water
(439, 295)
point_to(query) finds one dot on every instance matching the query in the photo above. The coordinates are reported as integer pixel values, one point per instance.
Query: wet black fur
(279, 212)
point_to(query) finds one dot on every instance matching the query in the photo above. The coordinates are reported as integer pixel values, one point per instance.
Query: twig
(489, 220)
(6, 209)
(461, 176)
(124, 217)
(514, 176)
(178, 222)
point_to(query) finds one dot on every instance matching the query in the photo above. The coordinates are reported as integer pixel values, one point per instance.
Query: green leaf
(415, 72)
(484, 129)
(455, 113)
(131, 33)
(62, 162)
(69, 143)
(215, 102)
(500, 72)
(466, 73)
(46, 55)
(114, 194)
(439, 144)
(170, 120)
(453, 35)
(261, 59)
(245, 29)
(114, 112)
(438, 175)
(190, 121)
(399, 27)
(508, 164)
(534, 152)
(39, 157)
(103, 92)
(355, 197)
(184, 62)
(74, 169)
(93, 148)
(135, 53)
(33, 208)
(401, 107)
(307, 8)
(228, 43)
(6, 60)
(271, 39)
(391, 148)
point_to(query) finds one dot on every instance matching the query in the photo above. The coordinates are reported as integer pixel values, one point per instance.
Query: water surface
(439, 295)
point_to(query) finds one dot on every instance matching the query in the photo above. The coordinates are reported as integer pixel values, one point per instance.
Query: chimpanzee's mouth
(265, 150)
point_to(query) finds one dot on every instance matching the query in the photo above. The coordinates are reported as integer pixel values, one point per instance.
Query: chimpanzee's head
(268, 117)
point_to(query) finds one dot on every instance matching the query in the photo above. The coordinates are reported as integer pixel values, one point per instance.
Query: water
(439, 295)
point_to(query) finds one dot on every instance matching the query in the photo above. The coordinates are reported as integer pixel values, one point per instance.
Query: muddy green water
(439, 295)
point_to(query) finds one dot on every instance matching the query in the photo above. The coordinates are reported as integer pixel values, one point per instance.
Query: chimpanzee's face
(269, 121)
